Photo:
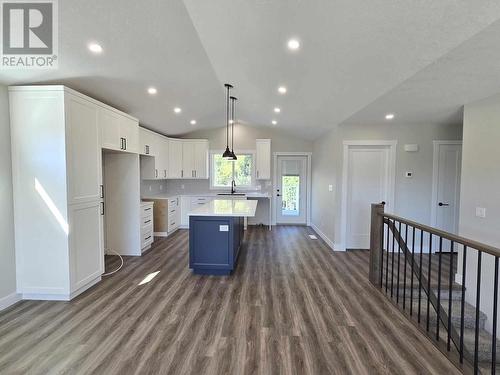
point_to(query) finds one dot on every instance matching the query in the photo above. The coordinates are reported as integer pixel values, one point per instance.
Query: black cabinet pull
(102, 208)
(125, 141)
(441, 204)
(156, 173)
(102, 191)
(147, 238)
(147, 209)
(147, 221)
(147, 150)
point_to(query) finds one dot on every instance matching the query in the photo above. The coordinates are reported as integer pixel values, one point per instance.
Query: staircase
(422, 286)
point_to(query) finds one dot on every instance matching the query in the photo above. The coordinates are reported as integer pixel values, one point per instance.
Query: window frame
(238, 187)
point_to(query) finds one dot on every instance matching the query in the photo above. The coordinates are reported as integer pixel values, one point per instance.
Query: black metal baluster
(420, 274)
(399, 254)
(450, 281)
(494, 333)
(429, 282)
(412, 261)
(439, 287)
(478, 301)
(392, 257)
(462, 303)
(387, 258)
(404, 264)
(382, 256)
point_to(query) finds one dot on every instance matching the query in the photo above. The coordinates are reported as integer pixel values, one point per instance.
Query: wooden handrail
(449, 236)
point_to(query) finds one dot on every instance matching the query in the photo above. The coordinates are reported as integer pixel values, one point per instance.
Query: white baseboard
(329, 242)
(339, 247)
(9, 300)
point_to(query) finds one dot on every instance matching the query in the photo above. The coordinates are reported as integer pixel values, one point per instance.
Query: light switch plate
(330, 187)
(481, 212)
(223, 228)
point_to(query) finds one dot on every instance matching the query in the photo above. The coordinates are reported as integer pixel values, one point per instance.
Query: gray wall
(412, 196)
(7, 254)
(244, 137)
(481, 188)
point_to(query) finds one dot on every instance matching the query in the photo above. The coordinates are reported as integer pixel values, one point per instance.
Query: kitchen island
(216, 232)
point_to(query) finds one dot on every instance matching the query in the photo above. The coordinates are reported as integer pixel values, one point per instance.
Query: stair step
(484, 347)
(469, 313)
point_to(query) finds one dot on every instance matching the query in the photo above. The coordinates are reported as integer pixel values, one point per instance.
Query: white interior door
(291, 190)
(368, 181)
(446, 188)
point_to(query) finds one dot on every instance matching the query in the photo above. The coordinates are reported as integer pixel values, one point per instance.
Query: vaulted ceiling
(358, 60)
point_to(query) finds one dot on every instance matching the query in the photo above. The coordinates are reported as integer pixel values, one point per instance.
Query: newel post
(376, 244)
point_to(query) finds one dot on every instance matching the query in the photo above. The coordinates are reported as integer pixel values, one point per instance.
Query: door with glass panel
(291, 203)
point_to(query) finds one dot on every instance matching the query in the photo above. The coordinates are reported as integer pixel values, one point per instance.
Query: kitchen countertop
(250, 194)
(226, 207)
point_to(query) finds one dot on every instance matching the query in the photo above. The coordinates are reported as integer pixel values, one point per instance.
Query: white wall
(244, 137)
(412, 196)
(481, 188)
(7, 254)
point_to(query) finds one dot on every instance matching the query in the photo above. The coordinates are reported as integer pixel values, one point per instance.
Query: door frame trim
(435, 170)
(308, 155)
(342, 246)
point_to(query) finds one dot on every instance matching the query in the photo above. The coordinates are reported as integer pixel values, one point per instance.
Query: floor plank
(291, 307)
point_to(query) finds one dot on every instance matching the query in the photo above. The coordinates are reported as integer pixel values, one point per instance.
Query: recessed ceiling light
(193, 122)
(95, 48)
(277, 110)
(274, 122)
(282, 90)
(389, 116)
(152, 91)
(177, 110)
(293, 44)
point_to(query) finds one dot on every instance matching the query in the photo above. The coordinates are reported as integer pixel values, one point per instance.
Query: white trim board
(9, 300)
(324, 237)
(309, 183)
(392, 179)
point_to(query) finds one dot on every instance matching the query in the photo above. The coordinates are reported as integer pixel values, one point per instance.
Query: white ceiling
(358, 59)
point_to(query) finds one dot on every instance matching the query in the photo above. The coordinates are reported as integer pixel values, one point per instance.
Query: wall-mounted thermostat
(409, 174)
(411, 148)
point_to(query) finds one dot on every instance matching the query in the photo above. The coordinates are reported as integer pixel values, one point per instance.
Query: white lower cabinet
(147, 225)
(86, 252)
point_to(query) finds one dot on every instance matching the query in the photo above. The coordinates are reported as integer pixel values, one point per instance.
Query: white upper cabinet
(154, 148)
(201, 159)
(83, 150)
(162, 156)
(147, 142)
(118, 131)
(175, 159)
(263, 156)
(195, 159)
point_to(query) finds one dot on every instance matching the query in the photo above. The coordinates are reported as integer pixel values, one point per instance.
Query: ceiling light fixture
(193, 122)
(293, 44)
(277, 110)
(95, 48)
(282, 90)
(152, 91)
(227, 153)
(177, 110)
(389, 116)
(274, 122)
(233, 155)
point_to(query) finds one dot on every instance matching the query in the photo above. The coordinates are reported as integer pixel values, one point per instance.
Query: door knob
(441, 204)
(278, 195)
(382, 203)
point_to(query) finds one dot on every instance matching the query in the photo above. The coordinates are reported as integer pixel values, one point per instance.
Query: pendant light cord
(228, 86)
(233, 99)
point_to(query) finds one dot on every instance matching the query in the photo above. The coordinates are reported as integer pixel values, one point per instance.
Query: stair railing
(399, 242)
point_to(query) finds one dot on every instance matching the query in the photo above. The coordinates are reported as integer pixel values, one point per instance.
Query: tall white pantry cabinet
(58, 193)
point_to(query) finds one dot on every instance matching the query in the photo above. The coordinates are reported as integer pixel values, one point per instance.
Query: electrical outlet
(161, 187)
(150, 187)
(481, 212)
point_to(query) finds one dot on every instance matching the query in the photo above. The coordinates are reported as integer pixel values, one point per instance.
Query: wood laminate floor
(291, 307)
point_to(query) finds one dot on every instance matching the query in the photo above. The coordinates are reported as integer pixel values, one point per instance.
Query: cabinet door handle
(102, 208)
(121, 143)
(147, 221)
(182, 173)
(156, 173)
(257, 174)
(147, 150)
(165, 173)
(147, 209)
(102, 191)
(147, 238)
(125, 141)
(195, 173)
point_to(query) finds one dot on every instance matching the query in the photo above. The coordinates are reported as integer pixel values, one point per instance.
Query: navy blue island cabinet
(214, 243)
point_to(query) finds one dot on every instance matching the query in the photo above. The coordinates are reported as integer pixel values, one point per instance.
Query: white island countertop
(226, 207)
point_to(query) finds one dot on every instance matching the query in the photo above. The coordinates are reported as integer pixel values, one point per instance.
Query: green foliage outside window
(224, 170)
(290, 186)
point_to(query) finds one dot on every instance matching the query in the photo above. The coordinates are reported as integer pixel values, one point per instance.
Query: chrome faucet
(233, 186)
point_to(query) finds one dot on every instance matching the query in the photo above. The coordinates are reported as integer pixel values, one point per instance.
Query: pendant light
(233, 155)
(227, 154)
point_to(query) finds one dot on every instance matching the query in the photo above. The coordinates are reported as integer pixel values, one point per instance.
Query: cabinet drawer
(173, 202)
(146, 235)
(173, 223)
(147, 220)
(146, 211)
